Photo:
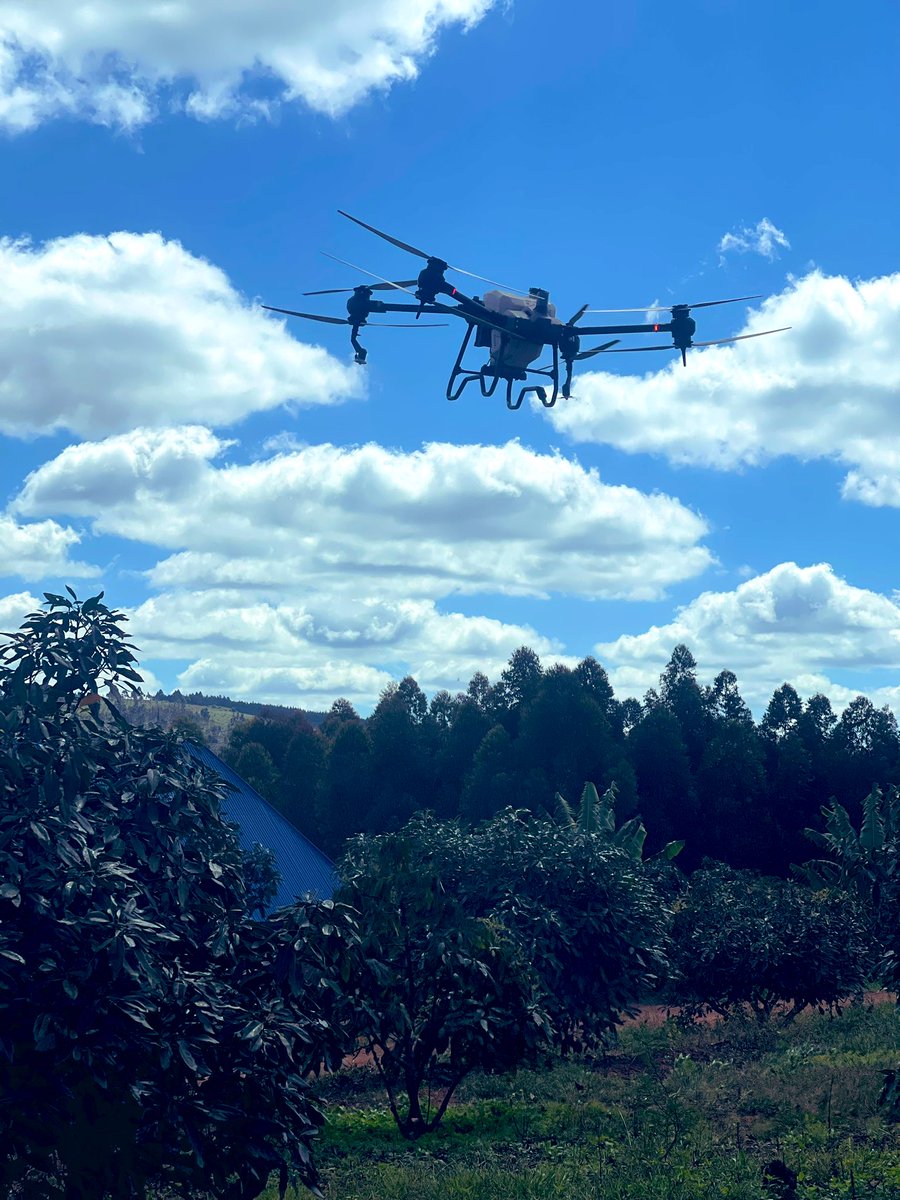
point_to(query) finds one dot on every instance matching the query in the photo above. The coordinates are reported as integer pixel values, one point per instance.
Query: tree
(666, 799)
(302, 774)
(434, 989)
(680, 693)
(146, 1039)
(742, 941)
(864, 863)
(491, 785)
(346, 798)
(564, 735)
(470, 938)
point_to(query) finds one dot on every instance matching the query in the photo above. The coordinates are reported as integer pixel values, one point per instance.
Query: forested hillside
(689, 759)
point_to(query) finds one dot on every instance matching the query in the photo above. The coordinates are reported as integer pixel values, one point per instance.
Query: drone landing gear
(489, 377)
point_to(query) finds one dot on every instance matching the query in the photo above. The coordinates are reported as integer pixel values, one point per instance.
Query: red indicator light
(656, 329)
(453, 293)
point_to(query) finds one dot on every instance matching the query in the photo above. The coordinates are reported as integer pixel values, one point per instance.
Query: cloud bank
(326, 570)
(829, 388)
(99, 334)
(801, 625)
(121, 64)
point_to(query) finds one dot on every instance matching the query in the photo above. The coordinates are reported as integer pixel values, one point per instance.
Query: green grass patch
(665, 1114)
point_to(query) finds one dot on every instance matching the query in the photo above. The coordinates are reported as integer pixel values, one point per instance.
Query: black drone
(513, 327)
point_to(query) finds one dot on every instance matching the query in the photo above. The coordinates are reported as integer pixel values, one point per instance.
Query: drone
(514, 327)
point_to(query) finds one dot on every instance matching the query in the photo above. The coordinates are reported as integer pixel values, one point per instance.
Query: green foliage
(150, 1033)
(597, 816)
(864, 862)
(471, 939)
(261, 879)
(434, 988)
(740, 941)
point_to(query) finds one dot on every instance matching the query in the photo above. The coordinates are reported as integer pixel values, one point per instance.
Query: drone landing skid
(488, 378)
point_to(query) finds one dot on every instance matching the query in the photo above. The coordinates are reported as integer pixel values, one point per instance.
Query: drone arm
(595, 330)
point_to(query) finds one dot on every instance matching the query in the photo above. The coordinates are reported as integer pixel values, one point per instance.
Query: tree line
(689, 760)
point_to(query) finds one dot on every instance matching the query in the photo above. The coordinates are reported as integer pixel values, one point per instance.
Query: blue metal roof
(303, 868)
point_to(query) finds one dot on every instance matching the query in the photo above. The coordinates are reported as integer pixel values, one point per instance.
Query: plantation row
(156, 1040)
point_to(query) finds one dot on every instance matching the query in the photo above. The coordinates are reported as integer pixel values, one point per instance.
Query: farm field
(667, 1114)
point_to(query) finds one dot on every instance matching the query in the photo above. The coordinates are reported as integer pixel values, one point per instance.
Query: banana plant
(597, 815)
(863, 862)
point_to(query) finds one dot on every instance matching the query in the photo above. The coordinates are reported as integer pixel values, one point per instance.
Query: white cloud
(801, 625)
(39, 549)
(108, 61)
(828, 388)
(328, 570)
(14, 608)
(99, 334)
(762, 238)
(440, 520)
(308, 652)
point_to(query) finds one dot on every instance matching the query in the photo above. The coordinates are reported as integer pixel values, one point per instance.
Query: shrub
(739, 940)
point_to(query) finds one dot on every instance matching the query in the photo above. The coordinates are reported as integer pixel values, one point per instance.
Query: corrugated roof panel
(302, 866)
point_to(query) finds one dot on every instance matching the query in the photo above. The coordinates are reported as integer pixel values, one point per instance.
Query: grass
(667, 1114)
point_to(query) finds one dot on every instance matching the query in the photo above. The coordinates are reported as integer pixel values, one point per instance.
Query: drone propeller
(743, 336)
(290, 312)
(740, 337)
(373, 287)
(422, 254)
(596, 350)
(385, 283)
(577, 317)
(670, 307)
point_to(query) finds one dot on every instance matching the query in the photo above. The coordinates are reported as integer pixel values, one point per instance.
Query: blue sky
(282, 525)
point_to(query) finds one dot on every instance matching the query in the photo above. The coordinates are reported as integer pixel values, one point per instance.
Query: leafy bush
(739, 940)
(151, 1034)
(477, 947)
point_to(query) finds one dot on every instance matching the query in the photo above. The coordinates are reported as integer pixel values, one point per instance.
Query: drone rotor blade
(644, 309)
(741, 337)
(421, 254)
(643, 349)
(375, 287)
(398, 286)
(504, 287)
(577, 317)
(596, 350)
(712, 303)
(387, 237)
(290, 312)
(649, 308)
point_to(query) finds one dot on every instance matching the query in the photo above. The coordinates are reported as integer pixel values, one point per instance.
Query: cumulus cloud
(14, 608)
(308, 652)
(828, 388)
(39, 549)
(802, 625)
(99, 334)
(326, 570)
(762, 238)
(114, 63)
(444, 519)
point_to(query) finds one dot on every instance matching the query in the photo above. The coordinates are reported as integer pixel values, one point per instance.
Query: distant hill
(213, 717)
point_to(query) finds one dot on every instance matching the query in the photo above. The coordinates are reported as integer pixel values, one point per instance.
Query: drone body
(514, 328)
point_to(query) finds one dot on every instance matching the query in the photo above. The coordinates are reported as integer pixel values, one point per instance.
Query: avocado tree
(152, 1036)
(478, 947)
(741, 941)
